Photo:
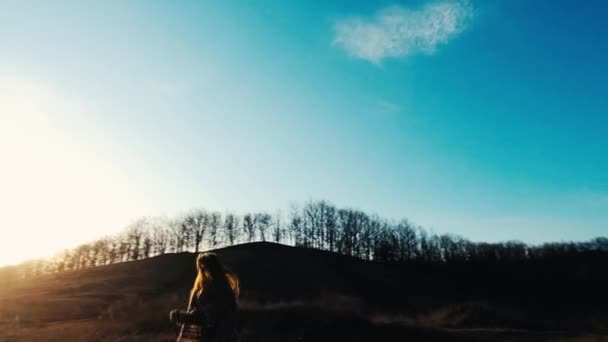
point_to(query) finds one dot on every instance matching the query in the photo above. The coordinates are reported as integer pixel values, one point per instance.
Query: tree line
(316, 224)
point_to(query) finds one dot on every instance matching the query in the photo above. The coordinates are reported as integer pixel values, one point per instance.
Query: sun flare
(55, 193)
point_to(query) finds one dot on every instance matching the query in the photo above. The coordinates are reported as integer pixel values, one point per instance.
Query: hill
(297, 294)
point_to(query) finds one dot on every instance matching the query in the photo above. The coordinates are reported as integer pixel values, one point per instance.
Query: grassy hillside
(288, 294)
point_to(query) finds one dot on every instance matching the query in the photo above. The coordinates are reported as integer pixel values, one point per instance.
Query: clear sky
(487, 119)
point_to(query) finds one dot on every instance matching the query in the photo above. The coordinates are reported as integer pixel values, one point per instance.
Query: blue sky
(481, 118)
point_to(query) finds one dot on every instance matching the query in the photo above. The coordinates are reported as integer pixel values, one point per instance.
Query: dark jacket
(214, 311)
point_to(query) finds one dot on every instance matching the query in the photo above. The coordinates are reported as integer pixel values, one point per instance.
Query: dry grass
(289, 294)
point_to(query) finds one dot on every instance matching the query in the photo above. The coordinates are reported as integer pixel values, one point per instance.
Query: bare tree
(215, 223)
(312, 224)
(425, 251)
(82, 256)
(123, 249)
(408, 242)
(113, 250)
(296, 227)
(197, 223)
(160, 236)
(277, 232)
(331, 227)
(262, 222)
(348, 223)
(249, 226)
(385, 247)
(231, 224)
(146, 248)
(370, 226)
(101, 250)
(176, 240)
(135, 234)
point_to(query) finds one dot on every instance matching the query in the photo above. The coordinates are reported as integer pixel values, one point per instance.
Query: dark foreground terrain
(297, 294)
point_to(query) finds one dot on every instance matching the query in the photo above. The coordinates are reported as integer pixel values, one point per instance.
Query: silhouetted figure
(213, 303)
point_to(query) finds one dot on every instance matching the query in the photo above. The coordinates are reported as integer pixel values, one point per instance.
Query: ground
(288, 294)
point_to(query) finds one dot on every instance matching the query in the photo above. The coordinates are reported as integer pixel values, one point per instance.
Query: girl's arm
(191, 317)
(199, 316)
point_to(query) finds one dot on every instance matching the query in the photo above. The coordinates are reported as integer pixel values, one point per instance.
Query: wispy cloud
(397, 32)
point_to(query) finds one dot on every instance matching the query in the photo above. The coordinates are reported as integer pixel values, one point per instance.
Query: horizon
(484, 119)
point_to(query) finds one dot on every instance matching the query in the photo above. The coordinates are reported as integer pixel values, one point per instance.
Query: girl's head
(209, 264)
(212, 274)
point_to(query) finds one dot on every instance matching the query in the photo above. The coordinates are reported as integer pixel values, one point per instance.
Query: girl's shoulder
(204, 297)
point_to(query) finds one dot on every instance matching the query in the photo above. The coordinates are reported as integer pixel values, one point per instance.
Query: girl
(213, 302)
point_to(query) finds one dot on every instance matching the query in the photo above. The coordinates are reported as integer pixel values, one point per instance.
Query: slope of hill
(288, 294)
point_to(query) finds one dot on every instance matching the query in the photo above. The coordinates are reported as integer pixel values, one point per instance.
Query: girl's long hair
(213, 275)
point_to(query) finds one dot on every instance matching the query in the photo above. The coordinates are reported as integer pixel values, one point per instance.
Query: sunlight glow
(55, 192)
